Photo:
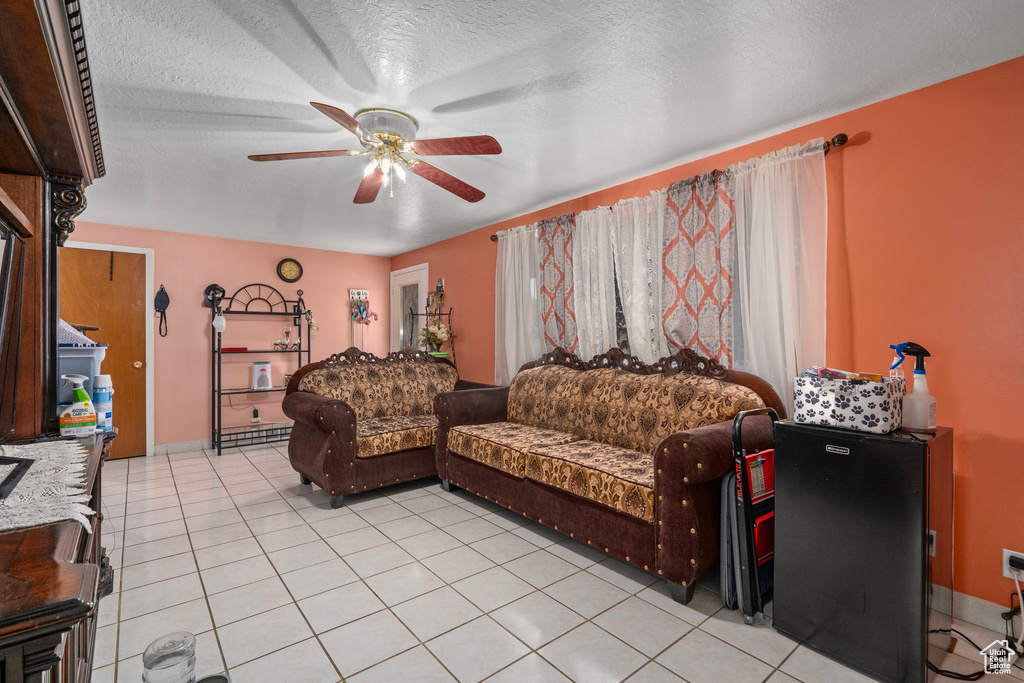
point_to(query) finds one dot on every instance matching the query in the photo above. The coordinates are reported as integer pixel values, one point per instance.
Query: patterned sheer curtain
(637, 230)
(781, 230)
(558, 317)
(697, 265)
(517, 336)
(594, 282)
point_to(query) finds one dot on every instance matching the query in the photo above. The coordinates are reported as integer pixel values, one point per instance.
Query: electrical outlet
(1007, 554)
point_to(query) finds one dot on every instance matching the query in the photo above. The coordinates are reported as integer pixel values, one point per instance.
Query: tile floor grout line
(295, 602)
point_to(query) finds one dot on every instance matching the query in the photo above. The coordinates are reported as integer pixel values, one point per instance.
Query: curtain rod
(837, 140)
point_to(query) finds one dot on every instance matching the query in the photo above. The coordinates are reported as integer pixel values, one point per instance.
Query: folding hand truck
(748, 525)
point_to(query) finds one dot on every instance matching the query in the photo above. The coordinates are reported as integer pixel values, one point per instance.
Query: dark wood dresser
(53, 577)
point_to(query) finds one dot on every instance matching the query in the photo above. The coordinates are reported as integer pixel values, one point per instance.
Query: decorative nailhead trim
(627, 558)
(693, 561)
(692, 530)
(659, 572)
(659, 522)
(659, 546)
(606, 549)
(685, 503)
(686, 480)
(700, 466)
(659, 497)
(684, 583)
(686, 445)
(645, 567)
(659, 471)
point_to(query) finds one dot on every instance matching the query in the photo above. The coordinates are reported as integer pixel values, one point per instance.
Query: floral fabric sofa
(623, 456)
(362, 422)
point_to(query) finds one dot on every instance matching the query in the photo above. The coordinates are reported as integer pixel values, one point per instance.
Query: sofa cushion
(620, 478)
(502, 445)
(381, 435)
(383, 389)
(622, 408)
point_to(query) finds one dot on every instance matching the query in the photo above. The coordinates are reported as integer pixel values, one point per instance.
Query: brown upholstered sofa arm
(468, 407)
(325, 414)
(472, 406)
(688, 469)
(463, 384)
(322, 446)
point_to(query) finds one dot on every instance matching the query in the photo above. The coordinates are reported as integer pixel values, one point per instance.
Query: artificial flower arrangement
(433, 335)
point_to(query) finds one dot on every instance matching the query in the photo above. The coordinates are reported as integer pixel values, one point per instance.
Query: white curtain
(517, 324)
(781, 220)
(594, 282)
(638, 225)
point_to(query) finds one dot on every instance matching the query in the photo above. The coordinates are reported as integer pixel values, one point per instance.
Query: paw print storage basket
(850, 404)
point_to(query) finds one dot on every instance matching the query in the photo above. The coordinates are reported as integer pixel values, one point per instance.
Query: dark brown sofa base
(624, 536)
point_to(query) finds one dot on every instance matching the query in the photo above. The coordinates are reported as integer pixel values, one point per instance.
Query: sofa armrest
(322, 445)
(463, 384)
(326, 414)
(688, 469)
(467, 407)
(471, 406)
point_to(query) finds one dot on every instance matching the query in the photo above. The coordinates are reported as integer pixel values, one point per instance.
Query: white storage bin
(849, 404)
(76, 355)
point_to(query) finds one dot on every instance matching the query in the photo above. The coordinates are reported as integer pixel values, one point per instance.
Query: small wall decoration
(361, 314)
(289, 270)
(435, 299)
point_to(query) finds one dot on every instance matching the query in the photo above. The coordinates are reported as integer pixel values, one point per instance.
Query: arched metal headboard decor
(261, 295)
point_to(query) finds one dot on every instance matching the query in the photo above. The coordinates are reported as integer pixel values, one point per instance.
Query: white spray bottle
(918, 405)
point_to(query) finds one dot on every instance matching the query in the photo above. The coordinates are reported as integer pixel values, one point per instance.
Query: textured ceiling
(580, 95)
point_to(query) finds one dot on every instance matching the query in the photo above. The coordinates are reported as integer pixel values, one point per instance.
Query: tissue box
(864, 406)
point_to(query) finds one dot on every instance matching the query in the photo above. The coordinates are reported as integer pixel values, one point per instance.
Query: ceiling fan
(388, 137)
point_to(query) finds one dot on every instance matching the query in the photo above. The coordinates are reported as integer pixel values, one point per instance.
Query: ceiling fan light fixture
(388, 121)
(369, 167)
(400, 170)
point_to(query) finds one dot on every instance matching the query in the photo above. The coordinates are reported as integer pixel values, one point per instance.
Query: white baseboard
(181, 447)
(979, 612)
(983, 613)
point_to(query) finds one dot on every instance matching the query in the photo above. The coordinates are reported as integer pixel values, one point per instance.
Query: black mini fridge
(863, 546)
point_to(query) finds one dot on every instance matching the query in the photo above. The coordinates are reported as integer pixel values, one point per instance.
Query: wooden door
(110, 294)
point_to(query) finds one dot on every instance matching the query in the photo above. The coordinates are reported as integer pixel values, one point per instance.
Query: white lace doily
(53, 488)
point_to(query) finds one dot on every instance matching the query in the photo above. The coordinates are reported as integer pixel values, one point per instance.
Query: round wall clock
(289, 270)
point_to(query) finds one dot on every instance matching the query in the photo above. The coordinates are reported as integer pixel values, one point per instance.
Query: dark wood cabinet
(53, 576)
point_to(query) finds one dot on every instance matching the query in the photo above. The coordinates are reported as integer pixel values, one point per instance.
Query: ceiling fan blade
(346, 121)
(471, 144)
(306, 155)
(369, 188)
(448, 182)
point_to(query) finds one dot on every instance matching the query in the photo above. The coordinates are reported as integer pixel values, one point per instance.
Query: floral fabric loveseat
(620, 455)
(362, 422)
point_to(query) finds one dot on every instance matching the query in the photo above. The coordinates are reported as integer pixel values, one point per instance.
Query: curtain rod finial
(494, 238)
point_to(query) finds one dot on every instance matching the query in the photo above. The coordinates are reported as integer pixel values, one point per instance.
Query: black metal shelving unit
(255, 299)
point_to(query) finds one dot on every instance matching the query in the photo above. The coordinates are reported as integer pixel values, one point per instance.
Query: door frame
(396, 300)
(150, 341)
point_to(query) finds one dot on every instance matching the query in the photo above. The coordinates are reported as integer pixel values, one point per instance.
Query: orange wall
(185, 264)
(926, 231)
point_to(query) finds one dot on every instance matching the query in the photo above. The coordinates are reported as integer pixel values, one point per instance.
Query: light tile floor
(408, 583)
